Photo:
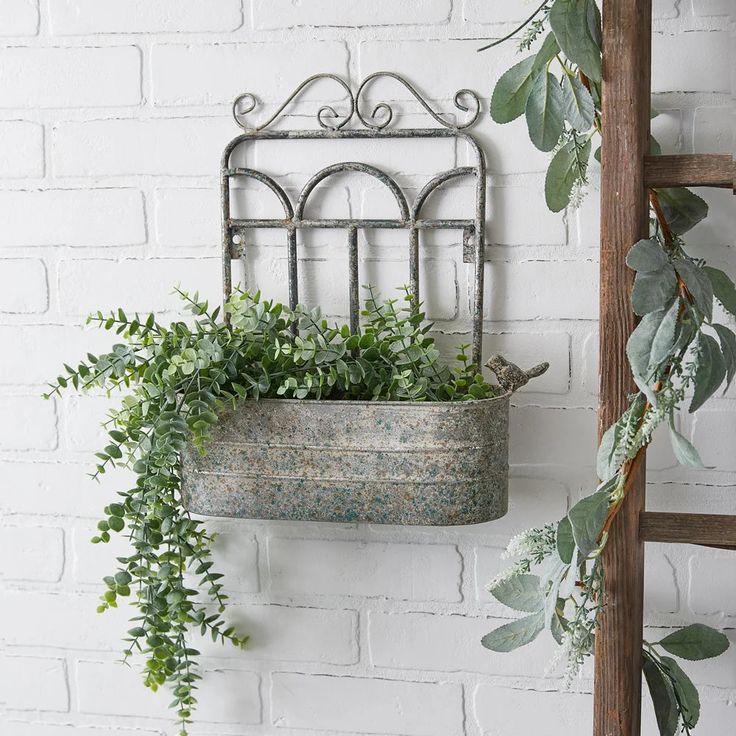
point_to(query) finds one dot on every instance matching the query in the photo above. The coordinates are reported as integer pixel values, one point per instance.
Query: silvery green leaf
(520, 592)
(557, 628)
(563, 172)
(579, 107)
(608, 459)
(682, 209)
(687, 693)
(518, 633)
(578, 39)
(698, 284)
(545, 115)
(651, 342)
(684, 451)
(565, 541)
(567, 586)
(728, 348)
(586, 518)
(696, 642)
(646, 255)
(653, 289)
(723, 288)
(710, 370)
(547, 51)
(663, 697)
(511, 92)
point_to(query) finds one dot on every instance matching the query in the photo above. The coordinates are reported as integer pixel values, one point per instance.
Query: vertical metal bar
(479, 255)
(354, 281)
(414, 268)
(293, 272)
(227, 277)
(624, 220)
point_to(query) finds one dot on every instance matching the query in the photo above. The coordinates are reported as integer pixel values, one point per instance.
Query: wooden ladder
(627, 174)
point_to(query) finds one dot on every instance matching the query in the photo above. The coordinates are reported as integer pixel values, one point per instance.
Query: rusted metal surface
(435, 463)
(348, 461)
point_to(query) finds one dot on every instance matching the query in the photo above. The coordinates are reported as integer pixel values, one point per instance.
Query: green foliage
(177, 379)
(676, 349)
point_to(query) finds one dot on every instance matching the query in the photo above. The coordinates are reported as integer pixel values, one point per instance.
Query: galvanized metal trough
(430, 463)
(353, 461)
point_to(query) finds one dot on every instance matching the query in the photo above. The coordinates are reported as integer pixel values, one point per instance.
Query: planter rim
(368, 402)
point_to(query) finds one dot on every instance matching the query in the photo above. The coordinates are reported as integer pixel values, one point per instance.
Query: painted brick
(52, 729)
(438, 643)
(691, 62)
(212, 74)
(76, 217)
(23, 290)
(30, 423)
(715, 229)
(712, 7)
(86, 286)
(37, 553)
(81, 17)
(19, 18)
(225, 695)
(187, 217)
(69, 77)
(21, 148)
(34, 619)
(508, 149)
(277, 633)
(33, 683)
(713, 434)
(285, 14)
(57, 488)
(41, 350)
(175, 146)
(712, 583)
(82, 429)
(713, 130)
(368, 706)
(502, 711)
(661, 590)
(537, 282)
(317, 567)
(497, 11)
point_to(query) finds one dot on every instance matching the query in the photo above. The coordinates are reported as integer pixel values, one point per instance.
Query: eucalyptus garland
(176, 380)
(677, 350)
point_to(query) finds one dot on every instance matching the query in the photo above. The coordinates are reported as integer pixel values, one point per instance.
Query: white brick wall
(113, 114)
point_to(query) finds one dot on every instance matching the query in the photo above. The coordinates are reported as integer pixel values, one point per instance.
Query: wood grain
(710, 530)
(624, 220)
(693, 170)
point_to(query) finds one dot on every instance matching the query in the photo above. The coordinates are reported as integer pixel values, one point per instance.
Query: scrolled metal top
(380, 117)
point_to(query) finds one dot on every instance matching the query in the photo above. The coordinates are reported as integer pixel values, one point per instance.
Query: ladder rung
(710, 530)
(690, 170)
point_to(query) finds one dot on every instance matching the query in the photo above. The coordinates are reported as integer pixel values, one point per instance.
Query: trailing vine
(176, 380)
(677, 349)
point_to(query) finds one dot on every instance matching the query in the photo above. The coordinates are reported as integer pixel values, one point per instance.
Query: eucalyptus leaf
(653, 289)
(687, 693)
(586, 519)
(545, 111)
(511, 92)
(564, 170)
(696, 642)
(723, 288)
(728, 348)
(577, 35)
(698, 284)
(565, 541)
(579, 106)
(710, 371)
(646, 255)
(684, 451)
(516, 634)
(663, 697)
(520, 592)
(682, 209)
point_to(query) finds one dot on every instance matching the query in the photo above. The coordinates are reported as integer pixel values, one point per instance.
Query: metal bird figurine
(510, 377)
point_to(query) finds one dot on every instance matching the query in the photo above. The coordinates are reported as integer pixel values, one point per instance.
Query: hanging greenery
(676, 350)
(177, 379)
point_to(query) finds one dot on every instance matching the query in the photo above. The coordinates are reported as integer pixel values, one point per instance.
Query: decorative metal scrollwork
(378, 119)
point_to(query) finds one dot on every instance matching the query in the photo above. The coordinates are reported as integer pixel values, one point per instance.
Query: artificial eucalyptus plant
(677, 350)
(176, 380)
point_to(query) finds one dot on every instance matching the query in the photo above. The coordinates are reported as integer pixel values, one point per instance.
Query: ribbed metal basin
(381, 462)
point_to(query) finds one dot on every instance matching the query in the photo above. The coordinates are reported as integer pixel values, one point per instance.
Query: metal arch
(354, 166)
(331, 128)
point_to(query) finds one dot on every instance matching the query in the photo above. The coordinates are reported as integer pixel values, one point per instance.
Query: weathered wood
(711, 530)
(624, 220)
(693, 170)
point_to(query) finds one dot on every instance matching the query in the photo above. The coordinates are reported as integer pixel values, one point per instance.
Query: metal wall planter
(351, 461)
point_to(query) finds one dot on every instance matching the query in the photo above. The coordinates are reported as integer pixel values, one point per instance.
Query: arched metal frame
(376, 125)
